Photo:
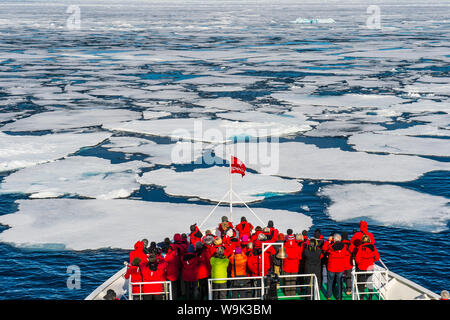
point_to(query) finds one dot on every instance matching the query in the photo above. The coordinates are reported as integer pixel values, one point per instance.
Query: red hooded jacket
(195, 236)
(356, 239)
(136, 276)
(138, 252)
(150, 275)
(366, 256)
(338, 256)
(173, 264)
(244, 228)
(254, 262)
(294, 254)
(190, 265)
(204, 264)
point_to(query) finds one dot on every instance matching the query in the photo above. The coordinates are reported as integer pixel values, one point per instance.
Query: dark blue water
(42, 274)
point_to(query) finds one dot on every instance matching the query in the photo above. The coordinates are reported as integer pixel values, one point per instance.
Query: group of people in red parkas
(189, 260)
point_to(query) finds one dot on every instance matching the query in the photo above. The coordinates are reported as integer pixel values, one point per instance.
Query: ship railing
(257, 287)
(166, 293)
(375, 281)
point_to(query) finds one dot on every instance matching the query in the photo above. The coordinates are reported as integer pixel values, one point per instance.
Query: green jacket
(219, 268)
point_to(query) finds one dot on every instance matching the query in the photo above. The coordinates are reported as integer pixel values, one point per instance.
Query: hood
(177, 237)
(188, 256)
(338, 246)
(139, 246)
(363, 226)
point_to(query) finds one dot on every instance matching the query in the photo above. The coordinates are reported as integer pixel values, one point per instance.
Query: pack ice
(212, 184)
(95, 224)
(76, 176)
(24, 151)
(387, 205)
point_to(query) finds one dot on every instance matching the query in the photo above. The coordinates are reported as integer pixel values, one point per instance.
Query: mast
(231, 192)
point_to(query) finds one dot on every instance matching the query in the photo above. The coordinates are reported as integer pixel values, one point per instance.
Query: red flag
(237, 166)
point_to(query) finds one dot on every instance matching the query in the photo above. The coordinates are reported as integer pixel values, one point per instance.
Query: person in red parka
(363, 230)
(290, 265)
(180, 245)
(203, 269)
(153, 272)
(254, 264)
(224, 225)
(138, 252)
(338, 259)
(173, 269)
(244, 228)
(273, 232)
(136, 276)
(195, 235)
(348, 271)
(365, 258)
(189, 273)
(254, 236)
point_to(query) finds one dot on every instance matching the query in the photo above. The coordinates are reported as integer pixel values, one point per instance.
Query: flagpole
(231, 192)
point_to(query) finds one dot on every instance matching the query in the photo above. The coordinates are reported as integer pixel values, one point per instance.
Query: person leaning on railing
(365, 258)
(219, 266)
(238, 262)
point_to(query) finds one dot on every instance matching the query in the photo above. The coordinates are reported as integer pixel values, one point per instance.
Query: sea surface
(49, 62)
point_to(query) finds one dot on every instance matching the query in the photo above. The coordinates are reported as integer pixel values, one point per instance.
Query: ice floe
(377, 142)
(24, 151)
(67, 119)
(95, 224)
(341, 128)
(165, 154)
(345, 101)
(387, 205)
(306, 161)
(89, 177)
(212, 183)
(206, 130)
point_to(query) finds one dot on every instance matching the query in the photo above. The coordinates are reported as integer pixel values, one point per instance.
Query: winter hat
(238, 250)
(270, 224)
(176, 237)
(243, 219)
(136, 262)
(192, 228)
(152, 258)
(191, 249)
(224, 219)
